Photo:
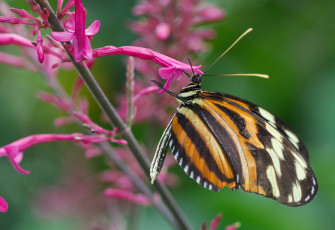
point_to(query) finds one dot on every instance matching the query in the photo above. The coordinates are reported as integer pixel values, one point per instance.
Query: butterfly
(222, 140)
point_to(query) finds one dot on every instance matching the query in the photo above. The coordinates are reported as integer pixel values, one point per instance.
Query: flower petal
(62, 36)
(40, 50)
(166, 72)
(167, 85)
(82, 50)
(3, 205)
(93, 28)
(70, 25)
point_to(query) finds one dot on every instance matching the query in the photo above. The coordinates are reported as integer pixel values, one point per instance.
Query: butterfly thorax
(189, 93)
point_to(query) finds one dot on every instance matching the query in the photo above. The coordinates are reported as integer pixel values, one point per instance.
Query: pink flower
(172, 69)
(15, 61)
(76, 33)
(14, 150)
(215, 223)
(60, 12)
(3, 205)
(128, 196)
(14, 39)
(163, 31)
(40, 50)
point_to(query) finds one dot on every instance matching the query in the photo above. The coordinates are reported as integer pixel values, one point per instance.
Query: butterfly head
(195, 78)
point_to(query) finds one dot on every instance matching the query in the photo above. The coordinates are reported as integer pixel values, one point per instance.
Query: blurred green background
(293, 42)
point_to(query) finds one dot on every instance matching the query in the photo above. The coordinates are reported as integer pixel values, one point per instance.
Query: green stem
(116, 121)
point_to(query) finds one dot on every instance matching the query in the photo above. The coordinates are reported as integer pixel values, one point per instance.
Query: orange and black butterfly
(222, 140)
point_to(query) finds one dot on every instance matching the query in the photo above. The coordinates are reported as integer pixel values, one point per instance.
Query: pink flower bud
(40, 50)
(163, 31)
(128, 196)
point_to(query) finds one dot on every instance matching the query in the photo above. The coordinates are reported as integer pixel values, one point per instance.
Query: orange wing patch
(198, 159)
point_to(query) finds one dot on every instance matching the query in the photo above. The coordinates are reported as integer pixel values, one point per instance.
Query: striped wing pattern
(221, 140)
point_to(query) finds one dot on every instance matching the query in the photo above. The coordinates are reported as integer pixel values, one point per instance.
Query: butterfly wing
(220, 140)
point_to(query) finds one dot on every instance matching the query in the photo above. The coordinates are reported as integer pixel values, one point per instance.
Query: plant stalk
(116, 121)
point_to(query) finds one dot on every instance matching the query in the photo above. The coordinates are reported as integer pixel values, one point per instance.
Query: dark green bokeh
(293, 42)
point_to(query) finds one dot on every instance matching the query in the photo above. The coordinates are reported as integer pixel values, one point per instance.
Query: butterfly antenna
(239, 38)
(162, 87)
(242, 74)
(191, 65)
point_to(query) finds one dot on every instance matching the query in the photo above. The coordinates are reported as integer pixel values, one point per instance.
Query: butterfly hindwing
(282, 170)
(197, 152)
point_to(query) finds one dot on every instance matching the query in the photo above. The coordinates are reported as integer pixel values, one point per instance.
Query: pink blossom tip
(233, 226)
(163, 31)
(3, 205)
(127, 196)
(210, 13)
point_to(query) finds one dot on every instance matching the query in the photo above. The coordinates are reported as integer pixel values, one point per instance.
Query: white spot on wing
(300, 160)
(296, 192)
(307, 198)
(274, 132)
(186, 168)
(312, 190)
(293, 138)
(268, 116)
(176, 155)
(275, 161)
(181, 161)
(237, 178)
(270, 173)
(313, 180)
(192, 174)
(198, 179)
(170, 143)
(301, 172)
(290, 199)
(205, 184)
(210, 187)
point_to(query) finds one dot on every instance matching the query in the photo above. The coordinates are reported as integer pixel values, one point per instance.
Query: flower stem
(116, 121)
(125, 132)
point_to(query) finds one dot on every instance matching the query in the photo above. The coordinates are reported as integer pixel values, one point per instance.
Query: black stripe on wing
(273, 120)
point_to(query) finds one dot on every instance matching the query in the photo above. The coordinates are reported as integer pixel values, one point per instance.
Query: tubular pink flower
(14, 39)
(24, 14)
(172, 69)
(145, 91)
(94, 128)
(55, 101)
(233, 226)
(82, 49)
(215, 222)
(14, 61)
(40, 50)
(209, 13)
(14, 150)
(68, 6)
(59, 6)
(3, 205)
(127, 196)
(14, 20)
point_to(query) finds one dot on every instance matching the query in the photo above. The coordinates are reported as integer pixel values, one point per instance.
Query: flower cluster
(175, 29)
(177, 33)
